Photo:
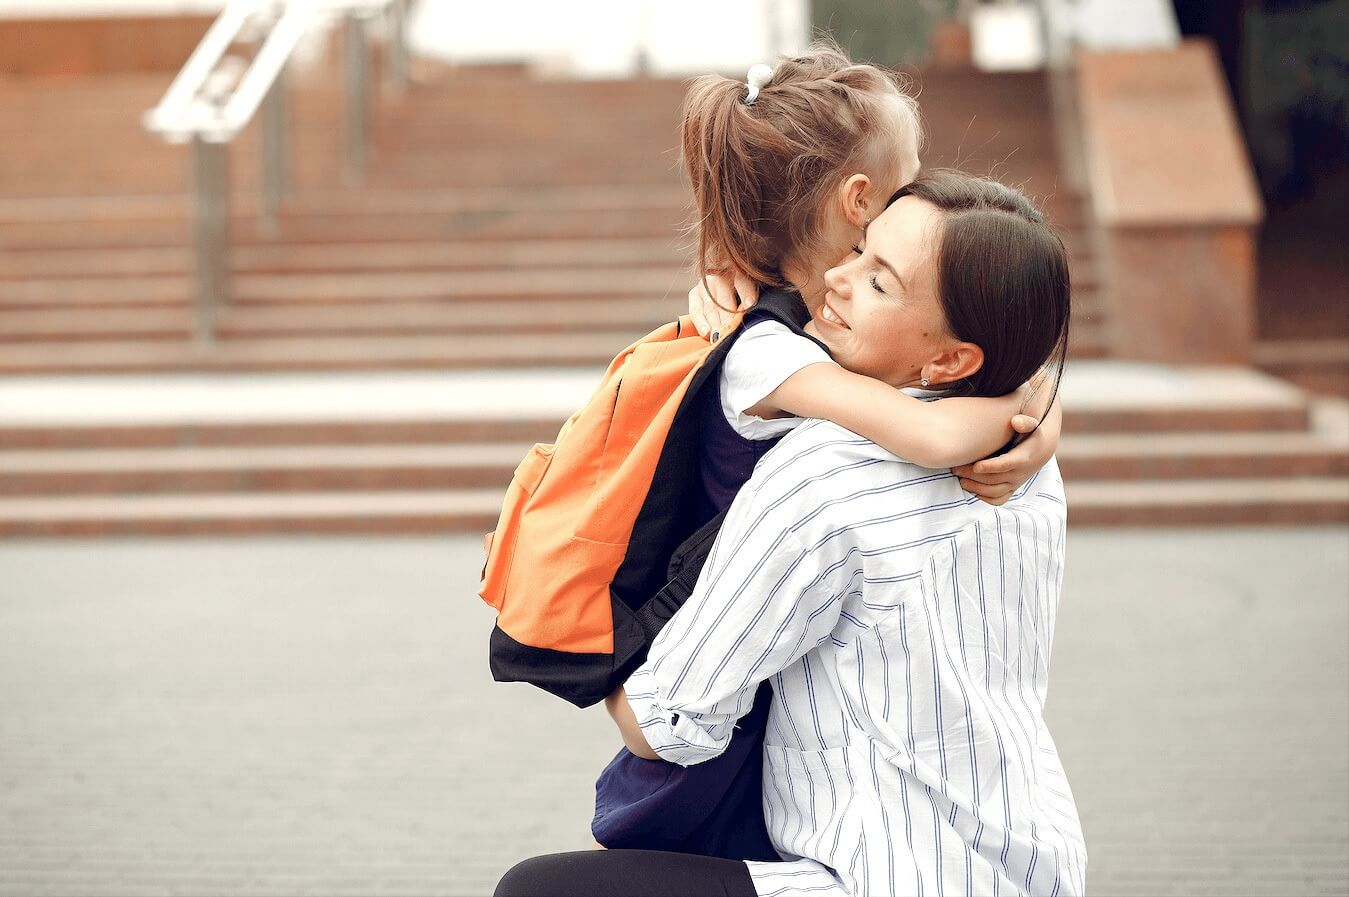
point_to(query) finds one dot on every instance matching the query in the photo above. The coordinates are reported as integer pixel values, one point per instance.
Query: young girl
(787, 170)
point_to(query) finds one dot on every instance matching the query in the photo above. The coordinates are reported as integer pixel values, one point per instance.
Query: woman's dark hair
(1002, 280)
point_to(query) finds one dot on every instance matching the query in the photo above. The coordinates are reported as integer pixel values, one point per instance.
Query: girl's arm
(930, 434)
(995, 479)
(628, 727)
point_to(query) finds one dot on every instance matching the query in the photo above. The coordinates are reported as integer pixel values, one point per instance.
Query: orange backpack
(579, 566)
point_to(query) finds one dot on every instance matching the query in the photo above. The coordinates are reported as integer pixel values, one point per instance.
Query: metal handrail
(172, 117)
(267, 65)
(196, 108)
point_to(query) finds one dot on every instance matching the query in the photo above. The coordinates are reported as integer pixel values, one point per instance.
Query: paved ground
(314, 716)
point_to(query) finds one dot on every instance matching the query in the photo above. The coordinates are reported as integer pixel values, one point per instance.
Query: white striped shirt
(906, 627)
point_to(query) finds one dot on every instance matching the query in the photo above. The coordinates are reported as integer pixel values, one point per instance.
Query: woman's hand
(714, 301)
(995, 479)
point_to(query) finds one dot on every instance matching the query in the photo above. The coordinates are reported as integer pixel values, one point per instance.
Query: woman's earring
(925, 381)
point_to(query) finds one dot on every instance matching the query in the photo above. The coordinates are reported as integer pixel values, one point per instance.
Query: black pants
(627, 873)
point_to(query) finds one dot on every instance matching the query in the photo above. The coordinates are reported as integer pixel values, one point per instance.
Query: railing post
(358, 100)
(275, 155)
(210, 234)
(396, 66)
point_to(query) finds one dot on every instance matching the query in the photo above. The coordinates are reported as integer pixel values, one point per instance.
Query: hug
(850, 701)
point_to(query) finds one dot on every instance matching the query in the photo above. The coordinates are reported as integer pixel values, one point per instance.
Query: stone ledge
(1162, 139)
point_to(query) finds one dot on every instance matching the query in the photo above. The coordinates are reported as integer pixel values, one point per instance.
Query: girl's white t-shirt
(762, 358)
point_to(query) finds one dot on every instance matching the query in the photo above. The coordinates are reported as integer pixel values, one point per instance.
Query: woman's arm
(763, 601)
(930, 434)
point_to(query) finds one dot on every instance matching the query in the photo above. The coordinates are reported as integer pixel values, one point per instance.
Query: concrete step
(336, 353)
(468, 465)
(77, 439)
(176, 205)
(506, 318)
(293, 258)
(285, 468)
(412, 255)
(321, 288)
(626, 318)
(39, 325)
(396, 347)
(1209, 502)
(393, 227)
(1181, 456)
(1149, 453)
(149, 168)
(529, 404)
(1317, 365)
(1301, 501)
(239, 513)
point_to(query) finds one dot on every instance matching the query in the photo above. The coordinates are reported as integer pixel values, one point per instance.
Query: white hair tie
(758, 76)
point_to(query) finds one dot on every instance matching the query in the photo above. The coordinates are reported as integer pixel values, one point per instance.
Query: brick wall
(78, 46)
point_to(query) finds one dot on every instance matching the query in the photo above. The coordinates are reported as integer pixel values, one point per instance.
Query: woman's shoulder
(821, 450)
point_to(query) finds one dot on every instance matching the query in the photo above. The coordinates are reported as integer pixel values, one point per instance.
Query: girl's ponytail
(728, 196)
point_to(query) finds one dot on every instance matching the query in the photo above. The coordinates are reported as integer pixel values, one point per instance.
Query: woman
(905, 626)
(786, 169)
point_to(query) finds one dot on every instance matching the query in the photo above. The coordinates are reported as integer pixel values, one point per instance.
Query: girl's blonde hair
(761, 173)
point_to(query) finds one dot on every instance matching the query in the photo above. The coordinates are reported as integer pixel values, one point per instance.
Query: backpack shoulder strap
(787, 308)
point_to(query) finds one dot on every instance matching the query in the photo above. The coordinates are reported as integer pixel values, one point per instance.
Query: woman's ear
(956, 362)
(854, 197)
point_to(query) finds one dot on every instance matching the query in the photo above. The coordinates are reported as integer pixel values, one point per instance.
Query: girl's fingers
(723, 293)
(994, 494)
(716, 299)
(989, 470)
(698, 311)
(746, 291)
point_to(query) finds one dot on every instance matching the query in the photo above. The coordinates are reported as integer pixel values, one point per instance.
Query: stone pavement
(288, 716)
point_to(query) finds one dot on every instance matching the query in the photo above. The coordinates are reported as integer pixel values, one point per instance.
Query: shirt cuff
(675, 735)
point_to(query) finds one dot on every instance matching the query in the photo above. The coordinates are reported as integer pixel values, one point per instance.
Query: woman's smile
(829, 316)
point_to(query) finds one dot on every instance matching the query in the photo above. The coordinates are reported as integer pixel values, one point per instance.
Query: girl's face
(907, 163)
(881, 315)
(845, 213)
(895, 152)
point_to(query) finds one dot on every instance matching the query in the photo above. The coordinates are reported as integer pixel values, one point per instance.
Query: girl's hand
(712, 311)
(995, 479)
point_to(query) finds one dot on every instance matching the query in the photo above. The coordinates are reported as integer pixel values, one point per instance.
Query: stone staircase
(557, 204)
(413, 452)
(389, 355)
(499, 213)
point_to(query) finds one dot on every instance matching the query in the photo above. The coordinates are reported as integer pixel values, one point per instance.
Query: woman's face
(881, 316)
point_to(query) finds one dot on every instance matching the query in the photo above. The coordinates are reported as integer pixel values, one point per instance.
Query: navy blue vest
(728, 458)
